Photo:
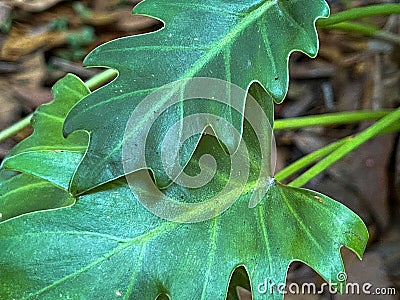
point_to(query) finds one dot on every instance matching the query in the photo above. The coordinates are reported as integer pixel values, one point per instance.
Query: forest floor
(42, 40)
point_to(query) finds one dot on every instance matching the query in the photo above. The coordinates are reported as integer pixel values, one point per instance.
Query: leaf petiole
(330, 119)
(358, 13)
(101, 78)
(364, 29)
(14, 129)
(310, 159)
(346, 148)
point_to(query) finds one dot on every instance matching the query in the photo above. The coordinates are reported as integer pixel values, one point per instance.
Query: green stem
(364, 29)
(14, 129)
(343, 150)
(321, 153)
(310, 159)
(92, 84)
(330, 119)
(358, 13)
(101, 78)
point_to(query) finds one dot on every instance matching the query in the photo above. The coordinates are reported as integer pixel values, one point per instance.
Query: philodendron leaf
(236, 41)
(47, 160)
(108, 246)
(24, 193)
(47, 154)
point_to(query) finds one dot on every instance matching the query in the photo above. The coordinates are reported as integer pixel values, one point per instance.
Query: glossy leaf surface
(108, 245)
(236, 41)
(24, 193)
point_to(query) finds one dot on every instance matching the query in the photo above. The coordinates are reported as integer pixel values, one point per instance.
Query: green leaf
(47, 154)
(23, 193)
(109, 245)
(238, 41)
(47, 160)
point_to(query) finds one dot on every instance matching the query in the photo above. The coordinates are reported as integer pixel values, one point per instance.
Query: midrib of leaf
(135, 273)
(301, 223)
(211, 256)
(215, 49)
(262, 222)
(141, 239)
(228, 39)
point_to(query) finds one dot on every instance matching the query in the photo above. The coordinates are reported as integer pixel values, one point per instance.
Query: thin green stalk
(310, 159)
(358, 13)
(343, 150)
(14, 129)
(313, 157)
(330, 119)
(92, 84)
(101, 78)
(364, 29)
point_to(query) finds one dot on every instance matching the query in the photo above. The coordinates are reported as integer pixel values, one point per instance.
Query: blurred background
(42, 40)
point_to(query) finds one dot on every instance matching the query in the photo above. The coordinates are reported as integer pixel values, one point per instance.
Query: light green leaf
(23, 193)
(237, 41)
(47, 160)
(108, 245)
(47, 154)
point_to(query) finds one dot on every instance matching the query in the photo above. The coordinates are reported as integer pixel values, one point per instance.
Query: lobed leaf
(46, 159)
(237, 41)
(108, 245)
(104, 249)
(46, 153)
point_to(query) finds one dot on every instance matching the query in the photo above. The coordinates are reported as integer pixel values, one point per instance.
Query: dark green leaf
(108, 245)
(237, 41)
